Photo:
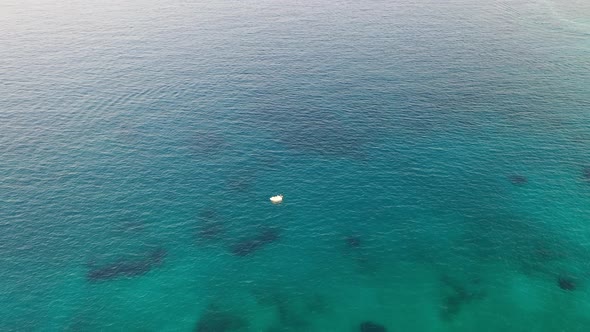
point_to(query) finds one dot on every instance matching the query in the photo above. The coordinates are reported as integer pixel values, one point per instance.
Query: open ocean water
(434, 156)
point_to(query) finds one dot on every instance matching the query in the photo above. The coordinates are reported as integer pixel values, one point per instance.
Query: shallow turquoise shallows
(434, 157)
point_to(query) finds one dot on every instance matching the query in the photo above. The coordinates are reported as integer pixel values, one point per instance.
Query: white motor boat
(278, 199)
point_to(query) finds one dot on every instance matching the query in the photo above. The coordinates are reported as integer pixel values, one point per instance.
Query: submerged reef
(372, 327)
(518, 180)
(352, 241)
(316, 304)
(242, 181)
(127, 268)
(215, 319)
(291, 317)
(294, 309)
(210, 225)
(130, 226)
(250, 245)
(457, 294)
(207, 144)
(353, 248)
(566, 283)
(331, 139)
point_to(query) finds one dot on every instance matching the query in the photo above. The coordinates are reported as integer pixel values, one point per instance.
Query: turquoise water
(433, 156)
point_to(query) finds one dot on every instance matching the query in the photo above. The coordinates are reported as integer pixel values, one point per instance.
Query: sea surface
(434, 157)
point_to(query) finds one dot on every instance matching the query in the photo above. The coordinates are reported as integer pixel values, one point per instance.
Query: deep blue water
(434, 157)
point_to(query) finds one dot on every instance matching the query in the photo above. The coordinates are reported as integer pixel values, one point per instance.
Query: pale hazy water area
(434, 156)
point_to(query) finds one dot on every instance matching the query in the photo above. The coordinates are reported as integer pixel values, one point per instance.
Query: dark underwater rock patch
(372, 327)
(364, 260)
(546, 252)
(210, 225)
(127, 268)
(365, 264)
(131, 226)
(207, 143)
(250, 245)
(518, 180)
(215, 319)
(242, 180)
(294, 311)
(332, 139)
(353, 241)
(451, 305)
(290, 317)
(566, 283)
(586, 173)
(210, 231)
(458, 294)
(316, 304)
(240, 184)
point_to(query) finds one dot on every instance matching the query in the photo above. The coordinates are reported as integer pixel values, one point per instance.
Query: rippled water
(433, 156)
